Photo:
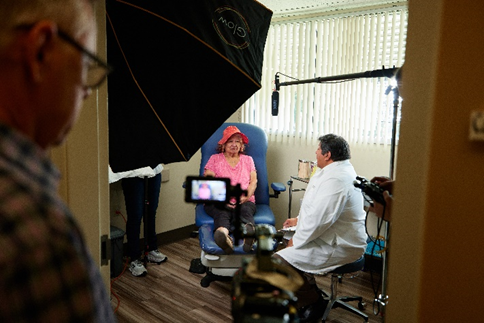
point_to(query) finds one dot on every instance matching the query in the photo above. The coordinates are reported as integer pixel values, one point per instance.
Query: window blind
(360, 110)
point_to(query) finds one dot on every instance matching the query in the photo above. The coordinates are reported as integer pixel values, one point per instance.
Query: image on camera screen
(207, 190)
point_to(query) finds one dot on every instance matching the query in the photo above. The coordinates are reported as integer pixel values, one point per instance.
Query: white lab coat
(330, 230)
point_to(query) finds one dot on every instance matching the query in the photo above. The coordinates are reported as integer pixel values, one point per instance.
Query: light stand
(146, 222)
(383, 297)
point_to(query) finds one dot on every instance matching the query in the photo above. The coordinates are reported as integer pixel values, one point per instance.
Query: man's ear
(39, 44)
(328, 155)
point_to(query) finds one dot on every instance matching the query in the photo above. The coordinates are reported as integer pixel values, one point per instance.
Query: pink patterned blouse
(240, 174)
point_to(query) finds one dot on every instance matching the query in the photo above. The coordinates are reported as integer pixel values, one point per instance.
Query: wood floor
(171, 294)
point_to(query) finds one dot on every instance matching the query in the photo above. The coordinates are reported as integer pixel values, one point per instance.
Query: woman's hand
(208, 173)
(243, 199)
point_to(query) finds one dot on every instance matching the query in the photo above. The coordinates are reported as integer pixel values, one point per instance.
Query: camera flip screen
(207, 190)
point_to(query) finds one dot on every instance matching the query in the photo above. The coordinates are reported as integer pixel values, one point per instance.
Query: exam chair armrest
(278, 188)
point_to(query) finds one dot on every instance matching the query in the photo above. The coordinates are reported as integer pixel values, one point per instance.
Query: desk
(289, 182)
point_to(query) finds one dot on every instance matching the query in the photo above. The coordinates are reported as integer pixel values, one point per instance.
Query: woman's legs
(221, 217)
(247, 211)
(223, 223)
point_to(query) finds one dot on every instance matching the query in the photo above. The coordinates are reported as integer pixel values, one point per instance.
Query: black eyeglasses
(97, 71)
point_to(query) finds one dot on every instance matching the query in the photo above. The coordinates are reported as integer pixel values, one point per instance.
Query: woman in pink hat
(231, 162)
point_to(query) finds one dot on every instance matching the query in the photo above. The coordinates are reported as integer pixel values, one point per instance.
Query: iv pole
(390, 72)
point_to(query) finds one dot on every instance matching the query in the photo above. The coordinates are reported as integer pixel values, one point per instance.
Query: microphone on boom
(275, 103)
(275, 97)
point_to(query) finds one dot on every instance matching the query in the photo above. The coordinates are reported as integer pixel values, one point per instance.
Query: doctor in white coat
(330, 227)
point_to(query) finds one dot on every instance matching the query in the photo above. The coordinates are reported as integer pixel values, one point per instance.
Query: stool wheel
(361, 306)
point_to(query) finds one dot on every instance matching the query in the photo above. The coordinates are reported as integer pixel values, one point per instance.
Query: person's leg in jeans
(154, 255)
(133, 189)
(154, 184)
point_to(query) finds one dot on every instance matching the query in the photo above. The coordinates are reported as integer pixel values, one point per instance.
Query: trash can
(117, 239)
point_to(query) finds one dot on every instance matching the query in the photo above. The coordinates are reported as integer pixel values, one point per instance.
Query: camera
(372, 190)
(217, 191)
(254, 297)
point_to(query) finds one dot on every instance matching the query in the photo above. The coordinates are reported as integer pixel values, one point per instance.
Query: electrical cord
(287, 76)
(114, 280)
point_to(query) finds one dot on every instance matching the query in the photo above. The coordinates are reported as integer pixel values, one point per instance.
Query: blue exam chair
(220, 266)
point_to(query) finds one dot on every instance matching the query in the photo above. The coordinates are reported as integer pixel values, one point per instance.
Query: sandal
(224, 241)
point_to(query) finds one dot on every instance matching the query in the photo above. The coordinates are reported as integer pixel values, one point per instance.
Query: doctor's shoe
(156, 256)
(137, 269)
(313, 312)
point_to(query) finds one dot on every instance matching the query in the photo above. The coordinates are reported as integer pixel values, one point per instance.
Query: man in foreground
(47, 69)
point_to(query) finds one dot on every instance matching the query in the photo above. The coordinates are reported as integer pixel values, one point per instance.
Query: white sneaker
(156, 256)
(137, 268)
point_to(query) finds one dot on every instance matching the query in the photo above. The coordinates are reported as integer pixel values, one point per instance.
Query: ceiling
(289, 8)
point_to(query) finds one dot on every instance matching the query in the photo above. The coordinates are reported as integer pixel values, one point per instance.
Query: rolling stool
(334, 301)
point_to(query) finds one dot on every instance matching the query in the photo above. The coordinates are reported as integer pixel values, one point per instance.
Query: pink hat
(229, 132)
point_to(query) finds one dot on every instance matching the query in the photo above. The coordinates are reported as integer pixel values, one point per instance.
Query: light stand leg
(146, 222)
(383, 297)
(290, 198)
